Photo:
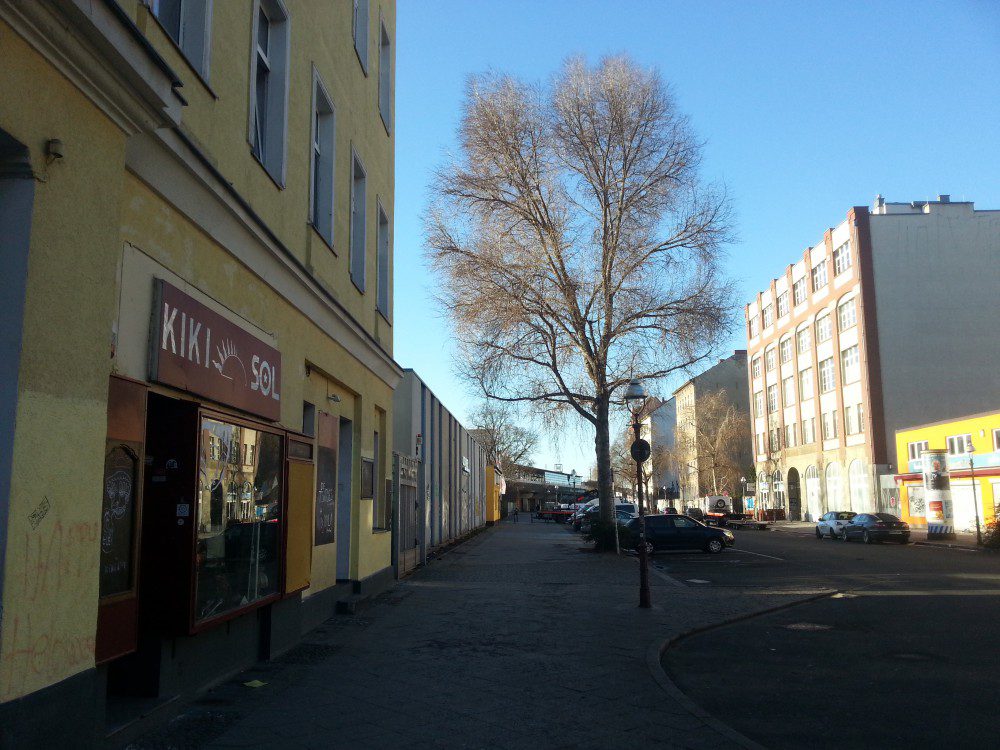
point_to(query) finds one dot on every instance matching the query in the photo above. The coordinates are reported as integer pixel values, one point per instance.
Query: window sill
(323, 239)
(263, 166)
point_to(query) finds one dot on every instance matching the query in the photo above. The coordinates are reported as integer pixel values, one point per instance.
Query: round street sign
(640, 451)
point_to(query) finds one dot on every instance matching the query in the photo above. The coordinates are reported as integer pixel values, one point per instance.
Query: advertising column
(937, 495)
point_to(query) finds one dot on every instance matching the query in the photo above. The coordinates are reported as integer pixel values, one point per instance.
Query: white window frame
(358, 259)
(850, 425)
(829, 425)
(824, 328)
(383, 240)
(783, 304)
(385, 90)
(790, 435)
(274, 120)
(915, 448)
(194, 33)
(956, 442)
(788, 390)
(847, 314)
(758, 403)
(799, 292)
(806, 379)
(819, 276)
(850, 364)
(808, 430)
(996, 439)
(754, 326)
(803, 340)
(755, 367)
(785, 347)
(768, 315)
(360, 20)
(322, 160)
(827, 375)
(842, 259)
(772, 399)
(770, 359)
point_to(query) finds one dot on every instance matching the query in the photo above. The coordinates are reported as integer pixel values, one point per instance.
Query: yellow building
(495, 486)
(196, 208)
(972, 487)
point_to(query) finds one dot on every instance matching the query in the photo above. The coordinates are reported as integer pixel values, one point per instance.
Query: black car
(665, 532)
(876, 527)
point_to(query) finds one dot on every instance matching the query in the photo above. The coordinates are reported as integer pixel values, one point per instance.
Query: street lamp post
(971, 450)
(743, 496)
(635, 397)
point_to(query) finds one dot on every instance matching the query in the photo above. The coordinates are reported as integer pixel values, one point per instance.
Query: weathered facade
(196, 205)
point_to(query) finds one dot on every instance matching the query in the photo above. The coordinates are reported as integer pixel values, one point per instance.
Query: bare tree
(575, 245)
(506, 443)
(714, 439)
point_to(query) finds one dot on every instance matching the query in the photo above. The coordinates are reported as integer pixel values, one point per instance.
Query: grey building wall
(936, 280)
(663, 422)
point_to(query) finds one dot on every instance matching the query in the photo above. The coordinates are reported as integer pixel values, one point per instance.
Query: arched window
(810, 487)
(778, 496)
(833, 498)
(860, 487)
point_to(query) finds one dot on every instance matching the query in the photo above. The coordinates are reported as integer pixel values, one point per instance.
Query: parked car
(696, 513)
(628, 508)
(577, 518)
(830, 524)
(876, 527)
(666, 532)
(621, 516)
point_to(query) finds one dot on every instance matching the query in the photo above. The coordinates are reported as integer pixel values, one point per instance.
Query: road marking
(930, 592)
(697, 580)
(758, 554)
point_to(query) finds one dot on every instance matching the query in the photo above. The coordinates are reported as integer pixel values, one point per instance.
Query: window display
(239, 517)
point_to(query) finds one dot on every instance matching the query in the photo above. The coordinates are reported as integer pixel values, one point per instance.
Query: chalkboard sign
(367, 478)
(326, 478)
(121, 483)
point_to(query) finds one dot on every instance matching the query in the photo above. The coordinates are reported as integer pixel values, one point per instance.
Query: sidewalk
(917, 536)
(515, 639)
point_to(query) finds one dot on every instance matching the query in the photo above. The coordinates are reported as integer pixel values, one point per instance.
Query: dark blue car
(876, 527)
(666, 532)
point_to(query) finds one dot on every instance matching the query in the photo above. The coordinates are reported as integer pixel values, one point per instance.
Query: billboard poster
(937, 494)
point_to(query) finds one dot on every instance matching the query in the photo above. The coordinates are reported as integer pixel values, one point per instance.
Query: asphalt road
(906, 655)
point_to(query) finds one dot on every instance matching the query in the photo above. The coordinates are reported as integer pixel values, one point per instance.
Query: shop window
(239, 517)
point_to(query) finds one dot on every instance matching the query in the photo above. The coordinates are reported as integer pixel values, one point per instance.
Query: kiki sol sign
(195, 349)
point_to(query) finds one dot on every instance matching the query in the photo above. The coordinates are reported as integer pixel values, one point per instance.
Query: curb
(656, 650)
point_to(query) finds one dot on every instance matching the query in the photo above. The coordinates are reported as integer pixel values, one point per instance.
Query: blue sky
(807, 109)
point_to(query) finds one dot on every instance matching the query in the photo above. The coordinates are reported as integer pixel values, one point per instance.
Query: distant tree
(505, 441)
(575, 244)
(713, 438)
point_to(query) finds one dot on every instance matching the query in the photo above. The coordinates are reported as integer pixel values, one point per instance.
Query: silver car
(831, 524)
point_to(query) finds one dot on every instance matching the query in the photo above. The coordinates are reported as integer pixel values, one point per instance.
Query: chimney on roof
(944, 199)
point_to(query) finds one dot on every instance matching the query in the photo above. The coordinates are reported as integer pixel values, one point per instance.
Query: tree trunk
(602, 444)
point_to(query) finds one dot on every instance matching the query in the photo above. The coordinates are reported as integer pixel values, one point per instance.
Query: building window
(841, 259)
(385, 77)
(188, 23)
(783, 304)
(768, 316)
(830, 425)
(799, 292)
(996, 439)
(382, 266)
(850, 364)
(760, 442)
(826, 377)
(785, 350)
(774, 440)
(789, 435)
(754, 326)
(803, 340)
(755, 367)
(916, 449)
(850, 421)
(268, 88)
(769, 360)
(847, 315)
(381, 507)
(959, 445)
(238, 518)
(321, 186)
(806, 383)
(788, 391)
(861, 417)
(808, 430)
(358, 237)
(359, 29)
(772, 399)
(819, 276)
(308, 419)
(758, 403)
(824, 329)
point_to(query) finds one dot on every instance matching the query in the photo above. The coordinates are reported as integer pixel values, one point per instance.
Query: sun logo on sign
(224, 353)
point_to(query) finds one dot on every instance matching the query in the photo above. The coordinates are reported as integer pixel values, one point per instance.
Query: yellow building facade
(196, 210)
(973, 488)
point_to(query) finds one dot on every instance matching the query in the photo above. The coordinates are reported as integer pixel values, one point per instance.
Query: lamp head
(635, 394)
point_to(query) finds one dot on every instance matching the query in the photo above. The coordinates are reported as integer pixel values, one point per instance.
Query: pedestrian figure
(515, 514)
